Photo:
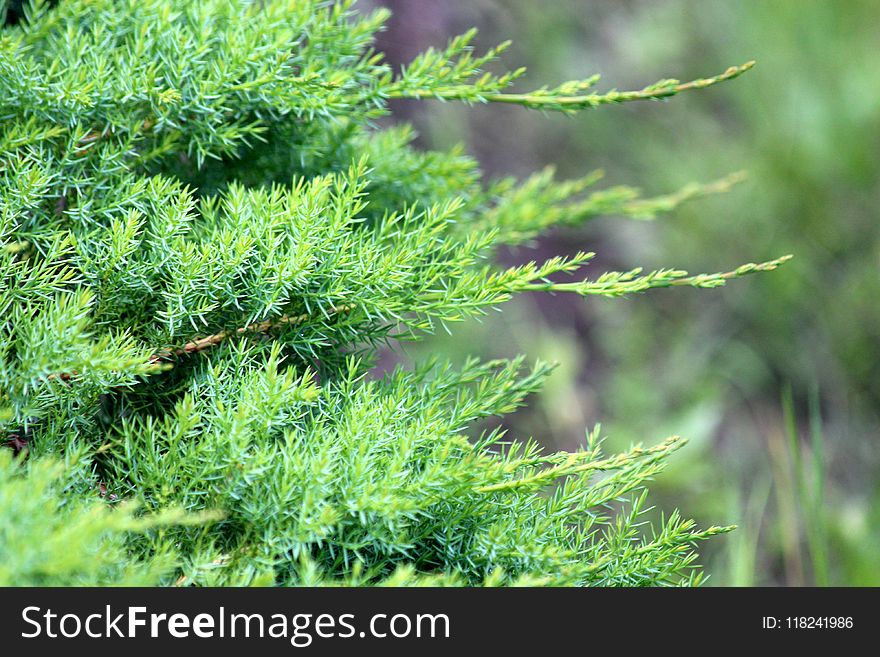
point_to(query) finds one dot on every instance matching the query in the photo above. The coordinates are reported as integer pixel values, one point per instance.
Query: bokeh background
(774, 379)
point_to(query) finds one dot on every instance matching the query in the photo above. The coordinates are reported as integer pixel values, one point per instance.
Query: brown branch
(200, 344)
(18, 441)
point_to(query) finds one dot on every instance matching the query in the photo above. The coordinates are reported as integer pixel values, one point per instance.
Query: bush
(205, 240)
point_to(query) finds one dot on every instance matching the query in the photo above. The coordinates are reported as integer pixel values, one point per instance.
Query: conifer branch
(616, 284)
(557, 100)
(524, 210)
(200, 344)
(583, 462)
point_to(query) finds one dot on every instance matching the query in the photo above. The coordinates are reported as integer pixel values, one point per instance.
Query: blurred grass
(775, 380)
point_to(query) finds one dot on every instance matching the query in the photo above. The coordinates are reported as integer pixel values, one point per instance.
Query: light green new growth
(206, 239)
(456, 74)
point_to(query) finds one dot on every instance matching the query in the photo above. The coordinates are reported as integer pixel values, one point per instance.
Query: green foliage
(57, 532)
(206, 238)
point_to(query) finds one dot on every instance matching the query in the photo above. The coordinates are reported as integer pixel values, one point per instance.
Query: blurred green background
(774, 379)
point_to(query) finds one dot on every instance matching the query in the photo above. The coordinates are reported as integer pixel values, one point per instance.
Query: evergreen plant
(207, 237)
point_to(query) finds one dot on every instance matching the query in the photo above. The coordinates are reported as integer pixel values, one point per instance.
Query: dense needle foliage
(206, 239)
